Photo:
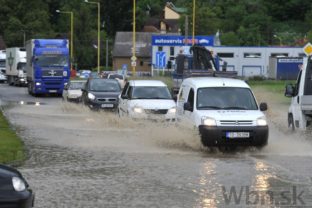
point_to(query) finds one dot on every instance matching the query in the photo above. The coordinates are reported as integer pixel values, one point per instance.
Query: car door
(295, 101)
(123, 100)
(186, 95)
(84, 95)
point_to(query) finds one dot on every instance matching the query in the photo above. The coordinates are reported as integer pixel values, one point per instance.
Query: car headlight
(262, 121)
(91, 96)
(18, 184)
(207, 121)
(138, 110)
(38, 83)
(172, 110)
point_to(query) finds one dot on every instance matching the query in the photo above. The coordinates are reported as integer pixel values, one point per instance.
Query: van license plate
(52, 91)
(237, 134)
(107, 105)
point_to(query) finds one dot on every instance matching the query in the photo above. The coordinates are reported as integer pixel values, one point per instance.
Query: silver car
(72, 91)
(3, 77)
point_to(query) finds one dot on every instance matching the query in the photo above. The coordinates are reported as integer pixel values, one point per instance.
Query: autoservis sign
(179, 40)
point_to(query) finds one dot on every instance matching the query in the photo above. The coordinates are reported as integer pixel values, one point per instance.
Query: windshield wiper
(209, 107)
(235, 108)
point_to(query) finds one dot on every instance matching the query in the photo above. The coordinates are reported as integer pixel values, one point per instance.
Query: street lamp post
(280, 39)
(71, 34)
(133, 58)
(99, 35)
(194, 12)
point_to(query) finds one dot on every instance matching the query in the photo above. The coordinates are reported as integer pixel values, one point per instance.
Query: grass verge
(11, 146)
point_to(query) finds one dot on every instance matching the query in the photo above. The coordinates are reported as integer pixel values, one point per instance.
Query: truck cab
(224, 110)
(48, 65)
(300, 109)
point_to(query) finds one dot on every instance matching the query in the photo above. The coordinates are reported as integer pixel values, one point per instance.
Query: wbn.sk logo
(249, 197)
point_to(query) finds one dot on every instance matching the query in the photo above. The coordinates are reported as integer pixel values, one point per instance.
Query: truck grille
(52, 72)
(235, 123)
(158, 111)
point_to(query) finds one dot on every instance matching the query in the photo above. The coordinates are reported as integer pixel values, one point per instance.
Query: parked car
(119, 77)
(14, 190)
(72, 91)
(3, 77)
(94, 75)
(84, 74)
(224, 110)
(101, 93)
(147, 99)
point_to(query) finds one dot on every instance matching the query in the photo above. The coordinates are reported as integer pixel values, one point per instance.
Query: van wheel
(291, 123)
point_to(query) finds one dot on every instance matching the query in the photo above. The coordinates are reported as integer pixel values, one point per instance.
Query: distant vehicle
(200, 63)
(224, 110)
(84, 74)
(300, 109)
(119, 77)
(48, 67)
(101, 94)
(14, 190)
(3, 77)
(2, 61)
(72, 91)
(16, 66)
(94, 75)
(147, 99)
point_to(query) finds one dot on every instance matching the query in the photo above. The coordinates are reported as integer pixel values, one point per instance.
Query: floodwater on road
(80, 158)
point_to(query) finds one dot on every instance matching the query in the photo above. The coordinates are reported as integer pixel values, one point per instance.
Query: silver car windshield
(144, 92)
(235, 98)
(76, 85)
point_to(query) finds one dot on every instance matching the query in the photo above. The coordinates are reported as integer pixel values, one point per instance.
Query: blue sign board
(160, 59)
(176, 40)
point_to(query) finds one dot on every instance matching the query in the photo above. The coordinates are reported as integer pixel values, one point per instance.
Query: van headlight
(138, 110)
(172, 110)
(18, 184)
(38, 83)
(207, 121)
(262, 121)
(91, 96)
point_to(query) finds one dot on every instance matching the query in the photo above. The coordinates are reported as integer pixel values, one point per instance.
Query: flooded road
(79, 158)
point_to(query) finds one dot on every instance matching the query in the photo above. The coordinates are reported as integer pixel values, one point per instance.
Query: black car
(101, 94)
(14, 190)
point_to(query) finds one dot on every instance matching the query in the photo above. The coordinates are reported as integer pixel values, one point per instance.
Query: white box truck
(2, 66)
(16, 66)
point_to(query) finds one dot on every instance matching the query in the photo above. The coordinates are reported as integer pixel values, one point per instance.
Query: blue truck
(47, 66)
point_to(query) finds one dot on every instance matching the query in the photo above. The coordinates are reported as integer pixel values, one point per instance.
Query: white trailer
(2, 61)
(300, 109)
(16, 66)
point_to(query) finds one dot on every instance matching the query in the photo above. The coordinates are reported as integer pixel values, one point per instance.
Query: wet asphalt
(80, 158)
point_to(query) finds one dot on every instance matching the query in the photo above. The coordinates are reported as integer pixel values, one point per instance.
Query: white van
(224, 110)
(147, 99)
(300, 109)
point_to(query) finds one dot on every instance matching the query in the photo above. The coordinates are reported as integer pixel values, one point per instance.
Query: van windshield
(151, 93)
(230, 98)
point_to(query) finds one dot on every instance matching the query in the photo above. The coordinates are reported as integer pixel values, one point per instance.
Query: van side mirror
(289, 90)
(263, 107)
(188, 107)
(124, 96)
